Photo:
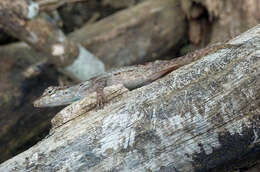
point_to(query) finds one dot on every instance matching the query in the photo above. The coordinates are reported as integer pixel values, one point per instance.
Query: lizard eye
(49, 91)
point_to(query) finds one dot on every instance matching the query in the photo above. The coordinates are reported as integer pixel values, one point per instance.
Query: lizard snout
(36, 103)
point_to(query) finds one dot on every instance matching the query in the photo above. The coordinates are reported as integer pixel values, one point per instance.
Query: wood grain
(200, 117)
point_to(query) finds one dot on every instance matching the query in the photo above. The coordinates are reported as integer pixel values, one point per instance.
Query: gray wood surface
(199, 117)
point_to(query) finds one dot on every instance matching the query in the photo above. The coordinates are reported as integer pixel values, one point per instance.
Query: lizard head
(55, 96)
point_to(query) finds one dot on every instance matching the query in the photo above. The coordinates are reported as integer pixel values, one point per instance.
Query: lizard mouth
(40, 102)
(36, 103)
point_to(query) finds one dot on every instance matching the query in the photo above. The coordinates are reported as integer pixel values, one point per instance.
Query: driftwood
(43, 36)
(129, 36)
(200, 117)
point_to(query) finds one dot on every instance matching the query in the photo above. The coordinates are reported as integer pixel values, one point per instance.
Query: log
(19, 56)
(224, 27)
(42, 35)
(48, 5)
(198, 118)
(128, 37)
(131, 36)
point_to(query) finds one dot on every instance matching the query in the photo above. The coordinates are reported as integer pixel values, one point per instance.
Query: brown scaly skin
(131, 77)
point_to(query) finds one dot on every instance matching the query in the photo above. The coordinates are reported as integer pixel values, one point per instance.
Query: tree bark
(199, 117)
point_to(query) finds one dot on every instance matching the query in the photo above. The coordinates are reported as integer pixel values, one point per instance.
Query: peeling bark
(197, 118)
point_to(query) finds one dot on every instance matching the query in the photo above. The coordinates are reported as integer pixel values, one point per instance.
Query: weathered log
(22, 93)
(129, 36)
(233, 17)
(197, 118)
(43, 36)
(25, 9)
(54, 4)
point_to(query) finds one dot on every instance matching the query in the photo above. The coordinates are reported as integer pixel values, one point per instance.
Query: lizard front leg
(100, 97)
(100, 84)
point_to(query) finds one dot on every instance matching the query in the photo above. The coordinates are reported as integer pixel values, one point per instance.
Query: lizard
(131, 77)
